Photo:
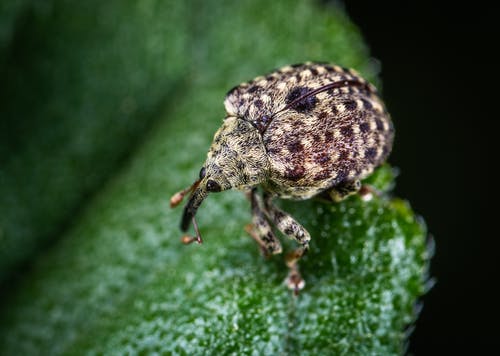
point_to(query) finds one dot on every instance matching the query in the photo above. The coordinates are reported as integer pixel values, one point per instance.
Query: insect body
(301, 131)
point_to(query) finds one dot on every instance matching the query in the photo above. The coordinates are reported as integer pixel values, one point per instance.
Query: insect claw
(367, 192)
(294, 281)
(186, 239)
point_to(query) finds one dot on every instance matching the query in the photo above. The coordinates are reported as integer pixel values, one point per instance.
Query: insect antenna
(176, 200)
(177, 197)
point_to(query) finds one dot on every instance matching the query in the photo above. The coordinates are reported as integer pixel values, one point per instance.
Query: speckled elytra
(301, 131)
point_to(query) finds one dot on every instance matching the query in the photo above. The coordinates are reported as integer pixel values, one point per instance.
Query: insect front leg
(260, 229)
(291, 228)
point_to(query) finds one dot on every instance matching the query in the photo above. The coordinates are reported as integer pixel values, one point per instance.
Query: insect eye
(202, 172)
(213, 186)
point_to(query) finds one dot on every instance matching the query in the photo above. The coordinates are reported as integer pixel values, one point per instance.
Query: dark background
(438, 83)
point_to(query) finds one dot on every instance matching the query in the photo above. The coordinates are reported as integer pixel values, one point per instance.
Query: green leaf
(83, 81)
(120, 281)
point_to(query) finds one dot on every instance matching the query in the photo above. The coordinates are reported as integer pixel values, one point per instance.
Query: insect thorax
(237, 155)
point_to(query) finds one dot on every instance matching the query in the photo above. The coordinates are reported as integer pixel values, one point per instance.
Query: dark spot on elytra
(350, 105)
(346, 131)
(296, 93)
(270, 77)
(295, 147)
(297, 124)
(253, 89)
(259, 103)
(343, 155)
(371, 153)
(316, 138)
(367, 104)
(329, 69)
(334, 109)
(314, 71)
(307, 103)
(380, 124)
(322, 115)
(295, 174)
(288, 231)
(364, 127)
(321, 175)
(297, 65)
(328, 136)
(322, 158)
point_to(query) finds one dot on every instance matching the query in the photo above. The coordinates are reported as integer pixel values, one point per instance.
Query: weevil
(302, 131)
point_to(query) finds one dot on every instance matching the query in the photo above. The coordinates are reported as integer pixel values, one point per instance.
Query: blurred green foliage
(81, 82)
(108, 108)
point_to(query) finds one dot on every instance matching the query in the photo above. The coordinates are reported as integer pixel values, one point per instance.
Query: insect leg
(291, 228)
(286, 224)
(342, 191)
(260, 229)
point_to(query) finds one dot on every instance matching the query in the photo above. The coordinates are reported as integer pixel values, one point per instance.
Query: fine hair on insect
(302, 131)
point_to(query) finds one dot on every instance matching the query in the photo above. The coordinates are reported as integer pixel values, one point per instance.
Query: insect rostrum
(301, 131)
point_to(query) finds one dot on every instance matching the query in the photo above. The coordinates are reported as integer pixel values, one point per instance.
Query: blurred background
(436, 68)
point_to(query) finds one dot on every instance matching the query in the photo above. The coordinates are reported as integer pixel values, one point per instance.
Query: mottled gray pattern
(297, 132)
(337, 136)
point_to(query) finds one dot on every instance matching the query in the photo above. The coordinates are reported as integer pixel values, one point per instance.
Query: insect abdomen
(322, 125)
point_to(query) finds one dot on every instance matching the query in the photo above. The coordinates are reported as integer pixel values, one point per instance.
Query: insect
(302, 131)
